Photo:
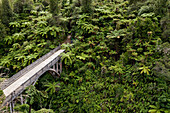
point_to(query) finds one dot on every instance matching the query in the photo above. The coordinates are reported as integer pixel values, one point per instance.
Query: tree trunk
(30, 106)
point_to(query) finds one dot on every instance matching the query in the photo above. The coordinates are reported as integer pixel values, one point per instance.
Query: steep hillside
(119, 60)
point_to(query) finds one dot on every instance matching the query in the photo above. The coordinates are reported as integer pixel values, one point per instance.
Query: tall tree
(161, 7)
(2, 35)
(54, 7)
(71, 1)
(135, 1)
(0, 9)
(87, 6)
(33, 95)
(22, 6)
(63, 3)
(6, 15)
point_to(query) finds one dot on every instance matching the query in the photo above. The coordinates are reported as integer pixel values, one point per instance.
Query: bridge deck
(11, 88)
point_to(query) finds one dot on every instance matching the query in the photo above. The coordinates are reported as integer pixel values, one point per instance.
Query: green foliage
(22, 6)
(67, 57)
(143, 26)
(161, 68)
(3, 33)
(160, 7)
(0, 9)
(144, 70)
(144, 9)
(70, 1)
(161, 106)
(134, 1)
(22, 108)
(2, 97)
(54, 7)
(25, 35)
(86, 6)
(52, 87)
(166, 28)
(25, 109)
(6, 12)
(34, 95)
(43, 110)
(118, 62)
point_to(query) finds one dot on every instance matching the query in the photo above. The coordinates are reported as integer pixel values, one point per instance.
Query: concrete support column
(60, 66)
(57, 67)
(13, 106)
(54, 68)
(25, 102)
(21, 99)
(35, 81)
(10, 105)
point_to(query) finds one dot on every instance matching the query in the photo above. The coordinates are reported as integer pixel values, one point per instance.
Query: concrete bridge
(15, 85)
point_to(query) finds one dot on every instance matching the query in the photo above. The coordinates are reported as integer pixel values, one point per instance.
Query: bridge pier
(53, 68)
(21, 99)
(11, 107)
(56, 68)
(60, 66)
(12, 103)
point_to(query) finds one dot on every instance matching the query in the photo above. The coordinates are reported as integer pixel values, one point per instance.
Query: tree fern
(51, 87)
(54, 7)
(87, 6)
(7, 13)
(67, 57)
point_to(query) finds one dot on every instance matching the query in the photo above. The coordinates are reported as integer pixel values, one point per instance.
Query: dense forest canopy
(119, 60)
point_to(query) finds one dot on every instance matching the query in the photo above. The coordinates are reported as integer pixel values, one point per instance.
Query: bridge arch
(53, 72)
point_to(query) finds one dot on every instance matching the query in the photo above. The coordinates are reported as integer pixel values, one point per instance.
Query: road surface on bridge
(12, 87)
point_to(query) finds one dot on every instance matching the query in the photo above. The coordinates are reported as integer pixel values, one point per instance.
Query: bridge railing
(20, 89)
(15, 77)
